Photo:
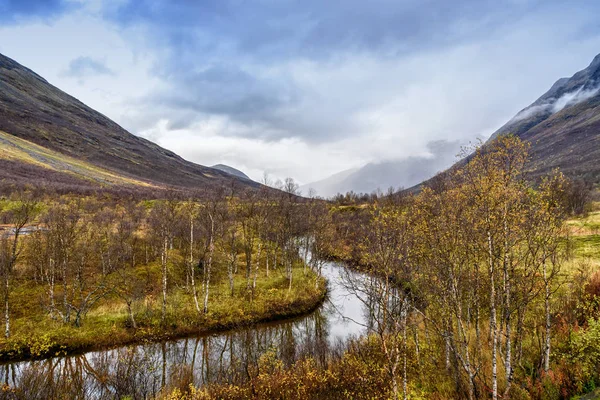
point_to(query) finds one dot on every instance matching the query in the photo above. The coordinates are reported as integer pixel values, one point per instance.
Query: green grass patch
(587, 246)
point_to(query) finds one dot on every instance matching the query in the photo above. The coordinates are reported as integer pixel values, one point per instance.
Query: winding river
(140, 371)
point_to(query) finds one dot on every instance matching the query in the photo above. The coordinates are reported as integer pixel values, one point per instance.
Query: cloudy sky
(302, 88)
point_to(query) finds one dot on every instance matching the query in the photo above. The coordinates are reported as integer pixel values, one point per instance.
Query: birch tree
(19, 213)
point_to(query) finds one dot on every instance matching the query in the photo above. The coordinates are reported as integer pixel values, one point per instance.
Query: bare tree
(162, 221)
(19, 213)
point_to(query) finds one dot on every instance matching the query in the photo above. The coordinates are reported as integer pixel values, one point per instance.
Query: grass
(17, 149)
(586, 246)
(584, 235)
(587, 225)
(36, 335)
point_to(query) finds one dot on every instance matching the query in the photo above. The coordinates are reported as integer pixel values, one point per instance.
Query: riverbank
(108, 325)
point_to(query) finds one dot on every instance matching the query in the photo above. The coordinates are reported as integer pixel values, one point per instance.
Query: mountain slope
(563, 126)
(383, 175)
(34, 110)
(28, 162)
(231, 171)
(331, 185)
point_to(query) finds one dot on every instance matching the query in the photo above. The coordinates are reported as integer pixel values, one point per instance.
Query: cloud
(554, 105)
(222, 90)
(531, 111)
(574, 97)
(311, 28)
(323, 71)
(82, 67)
(280, 66)
(309, 88)
(15, 11)
(349, 104)
(397, 174)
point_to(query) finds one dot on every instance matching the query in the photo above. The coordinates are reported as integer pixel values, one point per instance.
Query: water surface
(140, 371)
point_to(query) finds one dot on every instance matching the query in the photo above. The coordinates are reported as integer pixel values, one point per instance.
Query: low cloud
(554, 105)
(572, 98)
(396, 174)
(531, 111)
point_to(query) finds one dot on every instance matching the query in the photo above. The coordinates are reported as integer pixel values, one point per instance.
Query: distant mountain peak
(595, 64)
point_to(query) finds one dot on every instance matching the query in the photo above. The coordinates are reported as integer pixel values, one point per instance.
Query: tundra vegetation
(482, 285)
(83, 273)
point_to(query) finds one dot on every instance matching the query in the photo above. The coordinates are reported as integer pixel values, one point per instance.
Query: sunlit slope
(20, 151)
(33, 109)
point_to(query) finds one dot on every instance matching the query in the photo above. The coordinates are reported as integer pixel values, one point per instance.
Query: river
(141, 370)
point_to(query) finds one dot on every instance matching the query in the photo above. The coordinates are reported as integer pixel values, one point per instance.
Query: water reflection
(139, 372)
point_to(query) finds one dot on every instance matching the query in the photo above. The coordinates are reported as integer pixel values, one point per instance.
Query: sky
(303, 88)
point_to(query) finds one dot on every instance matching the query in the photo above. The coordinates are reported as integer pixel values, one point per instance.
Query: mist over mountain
(563, 126)
(383, 175)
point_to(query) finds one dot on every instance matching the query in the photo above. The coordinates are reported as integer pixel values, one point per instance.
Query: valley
(144, 258)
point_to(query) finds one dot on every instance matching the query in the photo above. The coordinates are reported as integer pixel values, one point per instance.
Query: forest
(86, 272)
(483, 284)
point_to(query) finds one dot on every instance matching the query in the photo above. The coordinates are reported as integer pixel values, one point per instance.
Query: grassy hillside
(33, 109)
(19, 151)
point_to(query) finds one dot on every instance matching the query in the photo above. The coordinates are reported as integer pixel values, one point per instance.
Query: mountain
(563, 127)
(231, 171)
(383, 175)
(42, 115)
(331, 185)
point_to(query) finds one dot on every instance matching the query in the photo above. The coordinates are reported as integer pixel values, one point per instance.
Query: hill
(35, 111)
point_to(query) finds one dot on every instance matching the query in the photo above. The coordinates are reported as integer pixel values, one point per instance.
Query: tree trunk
(164, 251)
(493, 318)
(248, 267)
(131, 317)
(211, 248)
(290, 274)
(6, 306)
(548, 322)
(404, 352)
(256, 269)
(192, 266)
(306, 244)
(507, 312)
(67, 316)
(51, 280)
(230, 273)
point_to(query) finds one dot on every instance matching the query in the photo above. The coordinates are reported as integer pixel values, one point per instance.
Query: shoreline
(297, 308)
